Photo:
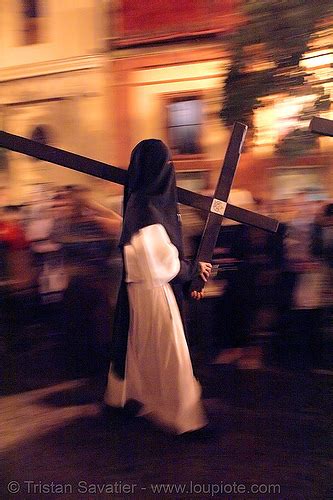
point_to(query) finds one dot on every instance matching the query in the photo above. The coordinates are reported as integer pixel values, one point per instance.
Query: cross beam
(321, 126)
(118, 175)
(217, 207)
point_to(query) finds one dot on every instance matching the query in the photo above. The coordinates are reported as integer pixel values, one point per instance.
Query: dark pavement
(272, 436)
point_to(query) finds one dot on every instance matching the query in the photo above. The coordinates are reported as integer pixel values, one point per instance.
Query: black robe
(150, 197)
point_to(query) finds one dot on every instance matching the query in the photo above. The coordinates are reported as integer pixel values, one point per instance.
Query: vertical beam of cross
(220, 200)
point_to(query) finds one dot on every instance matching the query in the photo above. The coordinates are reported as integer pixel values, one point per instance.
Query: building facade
(166, 74)
(97, 76)
(52, 86)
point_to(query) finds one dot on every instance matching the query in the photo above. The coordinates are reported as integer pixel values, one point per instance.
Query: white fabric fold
(158, 367)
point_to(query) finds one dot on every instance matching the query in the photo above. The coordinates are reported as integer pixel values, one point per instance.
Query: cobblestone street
(272, 433)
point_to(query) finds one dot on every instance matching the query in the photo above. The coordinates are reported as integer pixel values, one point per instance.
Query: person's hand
(197, 295)
(205, 268)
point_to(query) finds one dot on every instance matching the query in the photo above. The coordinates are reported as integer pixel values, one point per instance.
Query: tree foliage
(273, 41)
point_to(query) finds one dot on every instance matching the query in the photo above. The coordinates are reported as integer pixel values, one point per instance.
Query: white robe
(158, 369)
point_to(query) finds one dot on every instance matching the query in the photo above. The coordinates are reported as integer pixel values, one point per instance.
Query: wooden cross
(321, 126)
(217, 207)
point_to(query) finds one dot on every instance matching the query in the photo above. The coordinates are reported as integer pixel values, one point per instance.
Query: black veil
(150, 197)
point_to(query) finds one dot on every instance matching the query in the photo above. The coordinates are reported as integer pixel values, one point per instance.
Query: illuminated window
(184, 124)
(31, 25)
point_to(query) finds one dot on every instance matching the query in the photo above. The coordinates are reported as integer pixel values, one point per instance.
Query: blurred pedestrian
(301, 289)
(88, 231)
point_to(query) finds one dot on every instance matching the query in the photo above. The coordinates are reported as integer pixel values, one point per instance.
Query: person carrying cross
(150, 361)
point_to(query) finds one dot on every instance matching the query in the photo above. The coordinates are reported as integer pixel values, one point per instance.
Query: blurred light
(260, 66)
(317, 59)
(280, 116)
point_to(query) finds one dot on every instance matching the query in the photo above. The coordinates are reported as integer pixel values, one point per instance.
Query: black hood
(150, 195)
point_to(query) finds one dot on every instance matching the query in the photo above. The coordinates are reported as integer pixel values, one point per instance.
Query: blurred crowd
(60, 267)
(272, 293)
(59, 271)
(60, 225)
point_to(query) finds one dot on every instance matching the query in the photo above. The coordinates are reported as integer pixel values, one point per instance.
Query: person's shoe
(132, 407)
(203, 434)
(129, 410)
(112, 412)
